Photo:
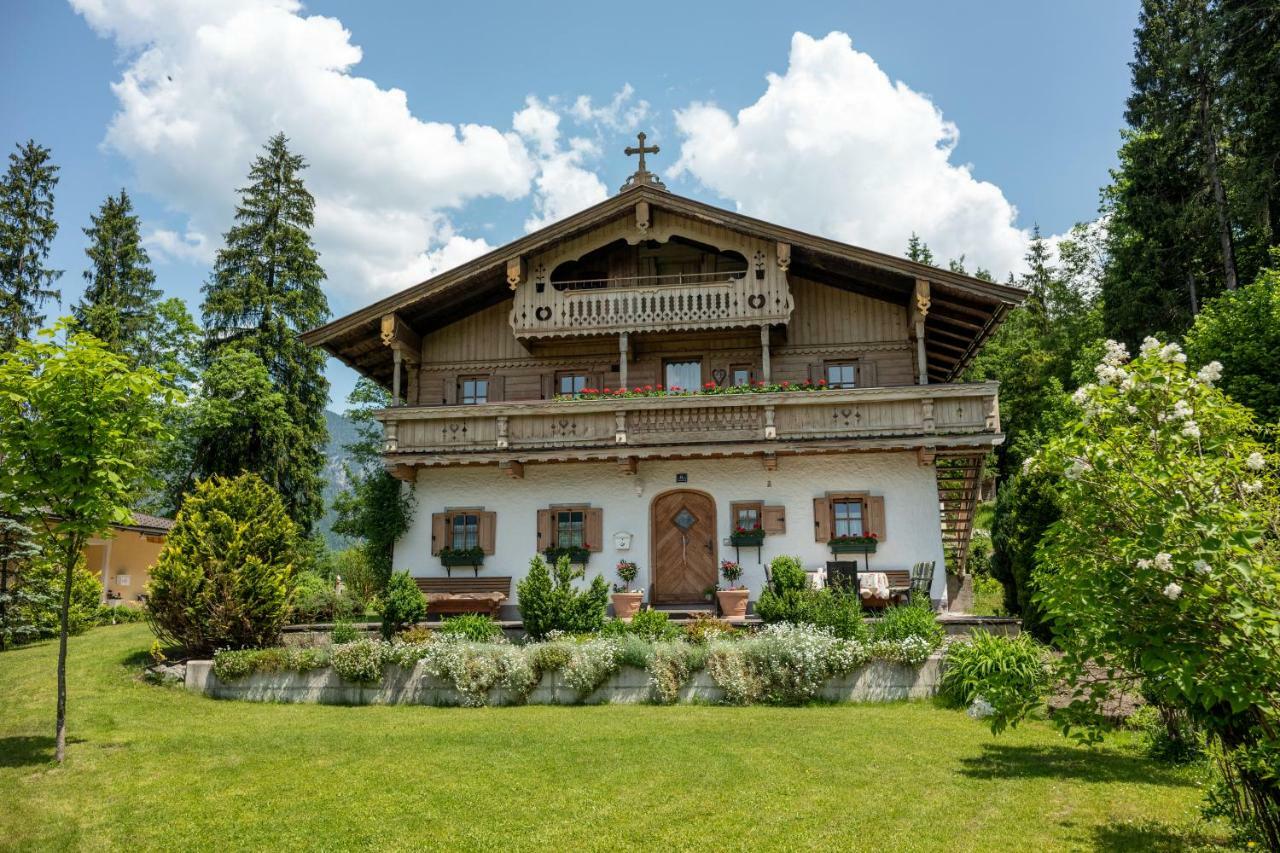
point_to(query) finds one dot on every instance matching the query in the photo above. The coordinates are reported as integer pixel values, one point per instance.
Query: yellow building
(123, 561)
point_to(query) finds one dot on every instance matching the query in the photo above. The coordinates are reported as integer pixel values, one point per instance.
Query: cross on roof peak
(642, 177)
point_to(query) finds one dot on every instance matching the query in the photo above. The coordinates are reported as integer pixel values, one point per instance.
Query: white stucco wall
(912, 526)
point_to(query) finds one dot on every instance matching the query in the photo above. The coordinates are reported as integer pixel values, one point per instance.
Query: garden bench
(921, 580)
(465, 595)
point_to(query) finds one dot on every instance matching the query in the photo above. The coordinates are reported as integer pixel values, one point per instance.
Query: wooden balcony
(913, 416)
(723, 300)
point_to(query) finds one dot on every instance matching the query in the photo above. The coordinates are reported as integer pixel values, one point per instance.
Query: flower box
(461, 557)
(747, 538)
(575, 553)
(853, 545)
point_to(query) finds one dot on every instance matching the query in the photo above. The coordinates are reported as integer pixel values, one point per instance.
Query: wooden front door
(683, 533)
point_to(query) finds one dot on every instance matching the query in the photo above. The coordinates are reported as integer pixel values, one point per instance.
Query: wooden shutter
(439, 531)
(450, 390)
(595, 529)
(488, 531)
(821, 519)
(773, 519)
(548, 386)
(873, 516)
(816, 373)
(497, 389)
(867, 374)
(544, 530)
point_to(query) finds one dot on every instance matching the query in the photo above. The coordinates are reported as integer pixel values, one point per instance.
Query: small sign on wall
(122, 580)
(682, 478)
(622, 541)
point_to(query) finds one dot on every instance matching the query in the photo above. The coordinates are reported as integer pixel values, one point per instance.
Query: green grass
(152, 768)
(988, 597)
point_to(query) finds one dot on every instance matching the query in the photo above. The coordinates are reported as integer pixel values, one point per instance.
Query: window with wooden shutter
(461, 529)
(488, 531)
(774, 520)
(821, 519)
(874, 518)
(439, 531)
(746, 515)
(576, 526)
(595, 529)
(849, 514)
(544, 530)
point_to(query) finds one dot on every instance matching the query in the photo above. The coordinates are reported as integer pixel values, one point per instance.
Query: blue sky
(967, 126)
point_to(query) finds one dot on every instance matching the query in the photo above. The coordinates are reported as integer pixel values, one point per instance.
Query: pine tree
(27, 229)
(918, 250)
(264, 291)
(119, 305)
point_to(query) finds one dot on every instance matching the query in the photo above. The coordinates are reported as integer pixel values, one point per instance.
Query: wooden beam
(400, 336)
(517, 271)
(925, 456)
(627, 464)
(770, 461)
(513, 469)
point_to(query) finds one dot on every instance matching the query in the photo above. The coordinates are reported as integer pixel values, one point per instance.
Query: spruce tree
(119, 304)
(27, 229)
(264, 291)
(918, 250)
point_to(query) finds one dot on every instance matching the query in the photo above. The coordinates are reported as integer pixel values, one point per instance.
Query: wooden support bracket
(770, 461)
(627, 465)
(513, 469)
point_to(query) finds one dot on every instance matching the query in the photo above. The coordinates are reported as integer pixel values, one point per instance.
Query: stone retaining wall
(875, 682)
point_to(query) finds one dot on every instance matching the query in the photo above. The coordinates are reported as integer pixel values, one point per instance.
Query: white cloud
(835, 147)
(563, 185)
(206, 84)
(164, 243)
(620, 114)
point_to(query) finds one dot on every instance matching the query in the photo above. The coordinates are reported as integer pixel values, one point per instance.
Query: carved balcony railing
(906, 416)
(722, 300)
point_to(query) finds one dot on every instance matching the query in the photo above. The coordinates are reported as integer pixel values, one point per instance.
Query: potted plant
(733, 601)
(750, 537)
(710, 593)
(450, 556)
(626, 601)
(575, 553)
(853, 544)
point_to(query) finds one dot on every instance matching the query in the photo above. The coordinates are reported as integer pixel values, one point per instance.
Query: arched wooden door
(683, 546)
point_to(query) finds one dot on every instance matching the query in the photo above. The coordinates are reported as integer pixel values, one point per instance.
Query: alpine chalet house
(647, 378)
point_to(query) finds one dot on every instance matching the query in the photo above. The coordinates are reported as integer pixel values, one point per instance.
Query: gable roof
(964, 313)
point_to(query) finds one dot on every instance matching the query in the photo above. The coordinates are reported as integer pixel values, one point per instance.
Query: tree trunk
(71, 557)
(1219, 192)
(1191, 289)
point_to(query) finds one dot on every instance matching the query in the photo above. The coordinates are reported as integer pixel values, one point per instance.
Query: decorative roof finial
(642, 177)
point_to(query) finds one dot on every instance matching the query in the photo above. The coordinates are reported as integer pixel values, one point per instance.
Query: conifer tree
(27, 229)
(264, 291)
(119, 304)
(918, 250)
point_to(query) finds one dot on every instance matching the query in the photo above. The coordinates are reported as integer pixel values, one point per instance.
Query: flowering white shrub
(1165, 562)
(361, 661)
(474, 669)
(591, 664)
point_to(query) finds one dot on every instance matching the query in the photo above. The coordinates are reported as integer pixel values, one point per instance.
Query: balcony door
(685, 374)
(683, 542)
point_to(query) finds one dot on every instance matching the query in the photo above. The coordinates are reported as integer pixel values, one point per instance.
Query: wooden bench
(465, 595)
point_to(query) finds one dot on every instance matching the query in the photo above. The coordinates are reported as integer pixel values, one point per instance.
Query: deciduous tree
(77, 430)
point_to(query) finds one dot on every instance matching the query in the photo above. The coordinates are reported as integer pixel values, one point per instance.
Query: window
(684, 375)
(846, 517)
(570, 384)
(842, 374)
(473, 390)
(569, 527)
(464, 531)
(740, 375)
(747, 515)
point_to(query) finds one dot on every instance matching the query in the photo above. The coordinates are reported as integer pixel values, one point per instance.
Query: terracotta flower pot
(733, 602)
(626, 604)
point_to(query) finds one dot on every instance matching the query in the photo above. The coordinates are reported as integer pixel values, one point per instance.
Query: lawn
(152, 767)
